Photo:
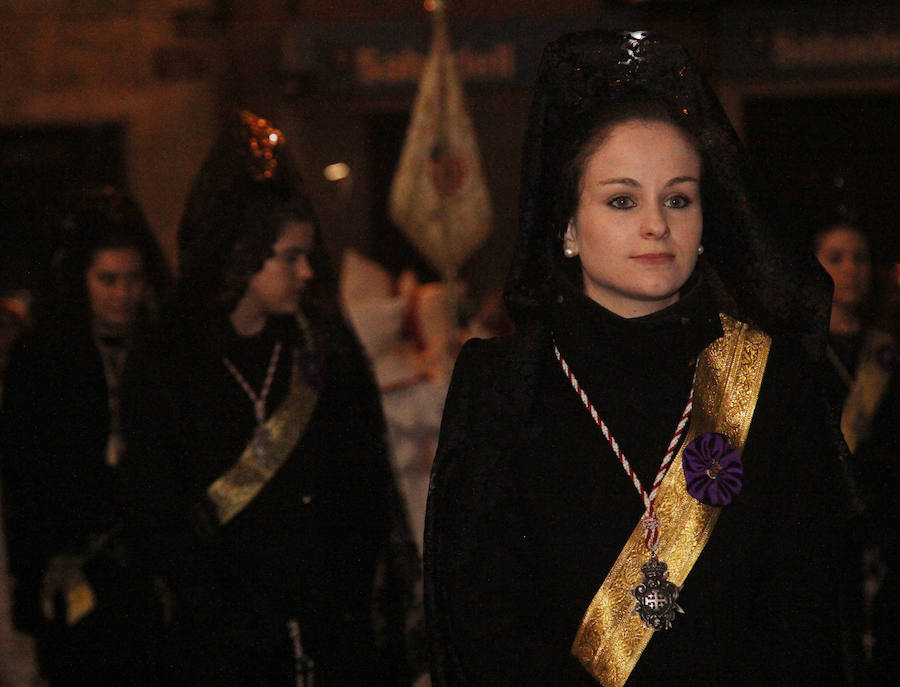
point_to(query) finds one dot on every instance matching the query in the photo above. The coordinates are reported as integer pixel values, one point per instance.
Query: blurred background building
(130, 93)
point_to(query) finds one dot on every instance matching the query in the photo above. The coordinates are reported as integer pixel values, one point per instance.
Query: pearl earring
(700, 249)
(569, 253)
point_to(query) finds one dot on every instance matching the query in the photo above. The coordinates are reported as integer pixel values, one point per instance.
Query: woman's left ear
(570, 246)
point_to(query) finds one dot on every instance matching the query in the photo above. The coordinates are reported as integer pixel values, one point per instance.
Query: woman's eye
(622, 203)
(678, 202)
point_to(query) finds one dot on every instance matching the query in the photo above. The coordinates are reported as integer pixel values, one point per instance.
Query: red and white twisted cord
(259, 401)
(649, 521)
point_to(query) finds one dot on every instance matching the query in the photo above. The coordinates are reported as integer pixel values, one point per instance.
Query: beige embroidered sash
(237, 487)
(612, 637)
(867, 390)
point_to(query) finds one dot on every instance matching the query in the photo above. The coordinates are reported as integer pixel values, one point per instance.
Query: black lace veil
(756, 273)
(227, 227)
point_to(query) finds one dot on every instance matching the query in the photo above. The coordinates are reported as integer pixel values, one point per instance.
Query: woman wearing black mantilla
(94, 609)
(260, 482)
(642, 483)
(864, 389)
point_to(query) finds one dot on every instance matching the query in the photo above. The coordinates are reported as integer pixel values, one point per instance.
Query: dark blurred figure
(97, 618)
(864, 389)
(14, 320)
(260, 471)
(17, 664)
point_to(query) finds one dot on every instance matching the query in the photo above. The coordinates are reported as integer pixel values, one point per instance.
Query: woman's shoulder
(497, 377)
(504, 353)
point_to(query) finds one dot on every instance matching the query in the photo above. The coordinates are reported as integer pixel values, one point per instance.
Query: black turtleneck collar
(637, 372)
(678, 331)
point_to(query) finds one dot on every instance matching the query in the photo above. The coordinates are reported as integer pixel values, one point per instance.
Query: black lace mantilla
(760, 276)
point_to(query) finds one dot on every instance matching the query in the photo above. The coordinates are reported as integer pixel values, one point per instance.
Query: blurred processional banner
(438, 196)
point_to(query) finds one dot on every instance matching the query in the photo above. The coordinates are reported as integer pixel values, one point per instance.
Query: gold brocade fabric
(729, 375)
(867, 389)
(235, 489)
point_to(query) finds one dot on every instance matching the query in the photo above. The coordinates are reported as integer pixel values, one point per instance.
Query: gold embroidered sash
(235, 489)
(867, 390)
(612, 637)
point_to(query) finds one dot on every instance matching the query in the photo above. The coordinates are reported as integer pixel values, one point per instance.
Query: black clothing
(60, 498)
(307, 547)
(530, 508)
(872, 558)
(877, 461)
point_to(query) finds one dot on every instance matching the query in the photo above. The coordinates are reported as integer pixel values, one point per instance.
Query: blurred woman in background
(97, 616)
(261, 484)
(864, 390)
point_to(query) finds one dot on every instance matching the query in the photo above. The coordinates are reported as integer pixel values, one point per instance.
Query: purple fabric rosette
(712, 469)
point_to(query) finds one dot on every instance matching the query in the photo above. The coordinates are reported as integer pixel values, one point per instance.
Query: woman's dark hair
(837, 224)
(104, 219)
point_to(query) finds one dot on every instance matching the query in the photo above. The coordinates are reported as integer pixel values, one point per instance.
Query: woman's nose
(654, 224)
(304, 270)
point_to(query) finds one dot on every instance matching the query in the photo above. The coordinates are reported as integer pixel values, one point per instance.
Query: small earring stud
(700, 249)
(569, 253)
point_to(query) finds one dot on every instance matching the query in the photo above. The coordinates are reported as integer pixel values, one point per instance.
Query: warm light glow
(430, 5)
(337, 171)
(273, 137)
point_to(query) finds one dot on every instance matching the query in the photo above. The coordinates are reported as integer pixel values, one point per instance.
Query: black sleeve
(482, 602)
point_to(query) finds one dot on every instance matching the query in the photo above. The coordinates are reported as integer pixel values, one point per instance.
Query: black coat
(874, 550)
(59, 495)
(306, 547)
(529, 509)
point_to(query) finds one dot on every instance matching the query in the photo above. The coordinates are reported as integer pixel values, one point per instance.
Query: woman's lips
(654, 258)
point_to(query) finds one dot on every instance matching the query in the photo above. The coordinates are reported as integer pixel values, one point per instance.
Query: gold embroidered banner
(612, 637)
(438, 196)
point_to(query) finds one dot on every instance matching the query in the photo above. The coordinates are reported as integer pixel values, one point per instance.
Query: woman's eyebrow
(678, 180)
(626, 181)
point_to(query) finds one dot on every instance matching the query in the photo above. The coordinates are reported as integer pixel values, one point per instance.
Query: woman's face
(844, 253)
(639, 220)
(275, 289)
(116, 286)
